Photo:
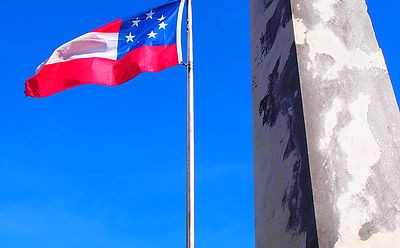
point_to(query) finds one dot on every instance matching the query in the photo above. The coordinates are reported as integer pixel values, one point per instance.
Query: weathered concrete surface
(352, 124)
(323, 105)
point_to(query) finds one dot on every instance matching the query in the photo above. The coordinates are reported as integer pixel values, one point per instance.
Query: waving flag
(114, 53)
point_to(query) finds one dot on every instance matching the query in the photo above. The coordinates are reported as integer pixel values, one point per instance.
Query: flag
(149, 41)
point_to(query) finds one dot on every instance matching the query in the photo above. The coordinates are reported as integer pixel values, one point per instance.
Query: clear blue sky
(105, 166)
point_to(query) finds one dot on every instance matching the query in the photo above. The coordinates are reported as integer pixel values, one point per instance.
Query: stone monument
(326, 128)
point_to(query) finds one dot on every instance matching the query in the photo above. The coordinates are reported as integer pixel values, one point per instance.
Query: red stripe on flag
(112, 27)
(57, 77)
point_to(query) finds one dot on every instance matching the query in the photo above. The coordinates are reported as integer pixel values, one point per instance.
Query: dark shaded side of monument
(282, 100)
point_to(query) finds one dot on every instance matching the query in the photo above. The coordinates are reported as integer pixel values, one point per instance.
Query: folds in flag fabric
(114, 53)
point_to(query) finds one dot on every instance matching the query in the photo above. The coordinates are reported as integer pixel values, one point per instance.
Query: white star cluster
(152, 35)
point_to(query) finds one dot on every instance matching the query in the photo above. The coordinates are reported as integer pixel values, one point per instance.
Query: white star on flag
(150, 14)
(129, 37)
(162, 25)
(152, 34)
(136, 22)
(162, 18)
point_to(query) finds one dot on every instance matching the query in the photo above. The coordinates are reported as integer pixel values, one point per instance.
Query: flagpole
(190, 134)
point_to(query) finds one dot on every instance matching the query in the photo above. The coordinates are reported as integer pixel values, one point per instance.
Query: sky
(99, 166)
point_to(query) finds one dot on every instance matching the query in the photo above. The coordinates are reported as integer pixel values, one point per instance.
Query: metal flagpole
(190, 134)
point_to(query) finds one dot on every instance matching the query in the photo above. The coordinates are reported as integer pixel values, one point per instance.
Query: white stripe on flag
(93, 44)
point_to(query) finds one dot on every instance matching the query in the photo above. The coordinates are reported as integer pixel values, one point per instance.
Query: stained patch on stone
(290, 146)
(281, 17)
(267, 107)
(279, 96)
(292, 200)
(367, 230)
(267, 3)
